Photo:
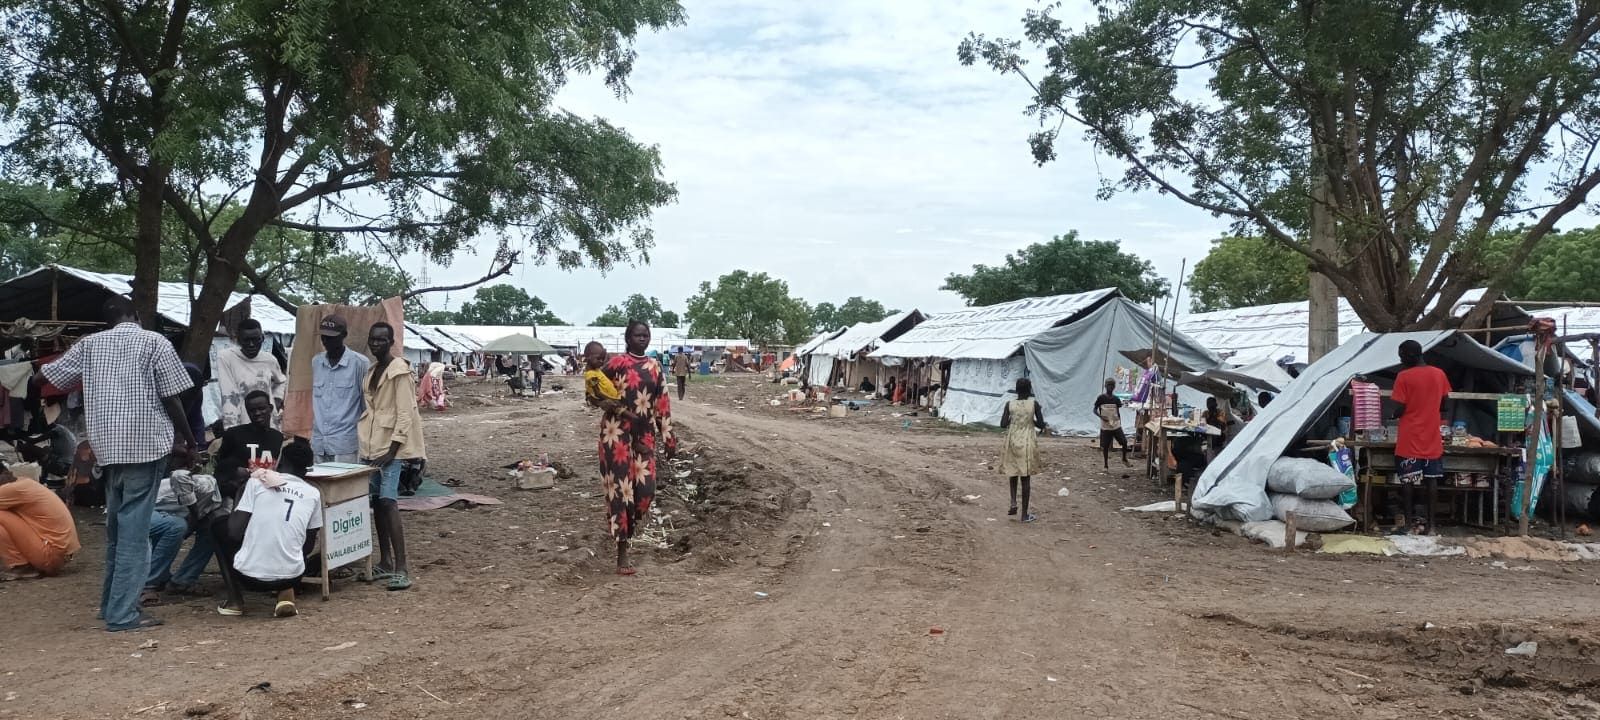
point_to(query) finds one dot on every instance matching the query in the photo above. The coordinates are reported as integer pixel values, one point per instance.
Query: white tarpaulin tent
(1069, 364)
(848, 348)
(1067, 344)
(1234, 485)
(1248, 335)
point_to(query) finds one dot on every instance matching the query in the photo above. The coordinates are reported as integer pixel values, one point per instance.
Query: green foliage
(1419, 127)
(441, 113)
(434, 317)
(505, 305)
(1246, 270)
(753, 307)
(1566, 266)
(856, 309)
(1059, 267)
(637, 307)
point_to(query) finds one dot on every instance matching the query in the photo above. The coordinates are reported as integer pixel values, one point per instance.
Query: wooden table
(1457, 458)
(345, 491)
(1156, 456)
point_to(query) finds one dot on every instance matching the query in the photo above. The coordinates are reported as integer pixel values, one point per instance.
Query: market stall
(1319, 408)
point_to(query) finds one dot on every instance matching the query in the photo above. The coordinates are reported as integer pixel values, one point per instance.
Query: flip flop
(376, 575)
(626, 571)
(144, 622)
(399, 581)
(228, 611)
(1030, 518)
(285, 608)
(1012, 511)
(150, 598)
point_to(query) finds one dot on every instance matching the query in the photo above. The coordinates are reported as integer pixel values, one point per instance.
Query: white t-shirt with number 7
(279, 519)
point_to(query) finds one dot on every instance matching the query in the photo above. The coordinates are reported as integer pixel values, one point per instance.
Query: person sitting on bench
(269, 540)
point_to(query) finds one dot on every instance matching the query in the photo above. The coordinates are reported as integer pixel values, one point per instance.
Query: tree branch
(504, 269)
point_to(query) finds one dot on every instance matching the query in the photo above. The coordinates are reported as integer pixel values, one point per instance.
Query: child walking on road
(1020, 457)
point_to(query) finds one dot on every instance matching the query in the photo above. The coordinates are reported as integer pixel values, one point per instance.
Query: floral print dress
(628, 475)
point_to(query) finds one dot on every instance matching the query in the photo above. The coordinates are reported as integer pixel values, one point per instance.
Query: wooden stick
(1353, 673)
(429, 694)
(1289, 536)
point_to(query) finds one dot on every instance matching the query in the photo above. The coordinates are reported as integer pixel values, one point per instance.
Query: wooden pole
(1531, 450)
(55, 294)
(1289, 535)
(1558, 509)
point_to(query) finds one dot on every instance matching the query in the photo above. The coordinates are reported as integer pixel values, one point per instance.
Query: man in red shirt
(1419, 391)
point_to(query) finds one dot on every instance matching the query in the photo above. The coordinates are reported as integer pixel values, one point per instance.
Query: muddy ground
(810, 567)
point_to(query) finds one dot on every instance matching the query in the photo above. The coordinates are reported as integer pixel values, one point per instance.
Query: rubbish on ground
(1063, 492)
(760, 594)
(341, 646)
(970, 498)
(1345, 544)
(149, 644)
(936, 631)
(1165, 506)
(1050, 679)
(1529, 648)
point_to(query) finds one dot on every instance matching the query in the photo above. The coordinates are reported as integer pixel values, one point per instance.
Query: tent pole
(55, 295)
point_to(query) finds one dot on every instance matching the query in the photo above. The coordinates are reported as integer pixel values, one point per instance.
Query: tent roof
(865, 335)
(517, 343)
(1234, 484)
(1269, 332)
(440, 340)
(80, 293)
(993, 332)
(822, 337)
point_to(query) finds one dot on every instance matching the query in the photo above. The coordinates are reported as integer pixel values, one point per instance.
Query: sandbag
(1310, 515)
(1581, 467)
(1310, 479)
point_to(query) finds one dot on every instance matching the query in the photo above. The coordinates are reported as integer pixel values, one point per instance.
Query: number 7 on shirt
(289, 510)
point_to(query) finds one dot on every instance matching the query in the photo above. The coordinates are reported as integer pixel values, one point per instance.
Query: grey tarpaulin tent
(518, 344)
(1069, 364)
(1234, 485)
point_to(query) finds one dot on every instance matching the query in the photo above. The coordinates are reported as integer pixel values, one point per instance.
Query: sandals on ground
(1030, 518)
(399, 581)
(285, 608)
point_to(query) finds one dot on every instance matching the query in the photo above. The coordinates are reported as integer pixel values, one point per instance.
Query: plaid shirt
(125, 372)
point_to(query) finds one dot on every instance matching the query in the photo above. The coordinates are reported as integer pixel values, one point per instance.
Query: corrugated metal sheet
(860, 336)
(994, 332)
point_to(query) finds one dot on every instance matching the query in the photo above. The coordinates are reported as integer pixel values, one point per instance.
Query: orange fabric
(297, 401)
(35, 527)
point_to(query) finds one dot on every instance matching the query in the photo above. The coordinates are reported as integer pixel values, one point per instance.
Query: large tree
(1245, 270)
(854, 310)
(1064, 265)
(749, 306)
(505, 305)
(637, 307)
(425, 126)
(1382, 140)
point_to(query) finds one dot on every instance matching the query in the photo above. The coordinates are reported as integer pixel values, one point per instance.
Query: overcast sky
(841, 147)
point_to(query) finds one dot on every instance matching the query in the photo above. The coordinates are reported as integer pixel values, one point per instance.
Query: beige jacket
(391, 415)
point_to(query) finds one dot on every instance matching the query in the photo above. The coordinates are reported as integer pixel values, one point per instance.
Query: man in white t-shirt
(243, 369)
(271, 534)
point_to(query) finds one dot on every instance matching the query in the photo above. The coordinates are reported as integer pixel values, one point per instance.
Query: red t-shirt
(1420, 389)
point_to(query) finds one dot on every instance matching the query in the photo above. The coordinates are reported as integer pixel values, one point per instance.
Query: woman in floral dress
(633, 430)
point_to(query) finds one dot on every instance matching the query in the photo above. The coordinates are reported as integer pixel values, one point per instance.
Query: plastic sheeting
(993, 332)
(1233, 486)
(1244, 336)
(820, 370)
(979, 389)
(1069, 364)
(861, 336)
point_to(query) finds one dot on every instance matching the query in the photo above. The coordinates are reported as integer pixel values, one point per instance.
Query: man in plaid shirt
(131, 380)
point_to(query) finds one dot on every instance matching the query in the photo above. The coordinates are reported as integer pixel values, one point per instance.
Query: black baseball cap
(334, 326)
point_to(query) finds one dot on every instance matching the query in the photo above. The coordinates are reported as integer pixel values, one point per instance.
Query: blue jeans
(167, 533)
(130, 501)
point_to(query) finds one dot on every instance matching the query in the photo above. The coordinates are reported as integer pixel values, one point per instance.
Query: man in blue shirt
(336, 400)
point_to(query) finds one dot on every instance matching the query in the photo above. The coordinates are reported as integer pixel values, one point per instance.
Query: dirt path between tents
(842, 568)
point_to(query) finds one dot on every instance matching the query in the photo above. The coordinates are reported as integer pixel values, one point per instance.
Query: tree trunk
(1324, 321)
(147, 244)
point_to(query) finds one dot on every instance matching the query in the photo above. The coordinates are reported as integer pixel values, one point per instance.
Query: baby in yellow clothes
(597, 388)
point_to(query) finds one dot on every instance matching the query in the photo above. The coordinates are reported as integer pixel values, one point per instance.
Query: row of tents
(1068, 345)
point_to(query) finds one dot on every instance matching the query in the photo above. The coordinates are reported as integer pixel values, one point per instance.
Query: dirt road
(878, 586)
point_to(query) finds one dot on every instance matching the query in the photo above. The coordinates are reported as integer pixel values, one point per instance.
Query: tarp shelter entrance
(1070, 364)
(1233, 486)
(518, 344)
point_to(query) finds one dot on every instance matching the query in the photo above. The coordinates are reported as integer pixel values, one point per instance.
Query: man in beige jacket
(391, 431)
